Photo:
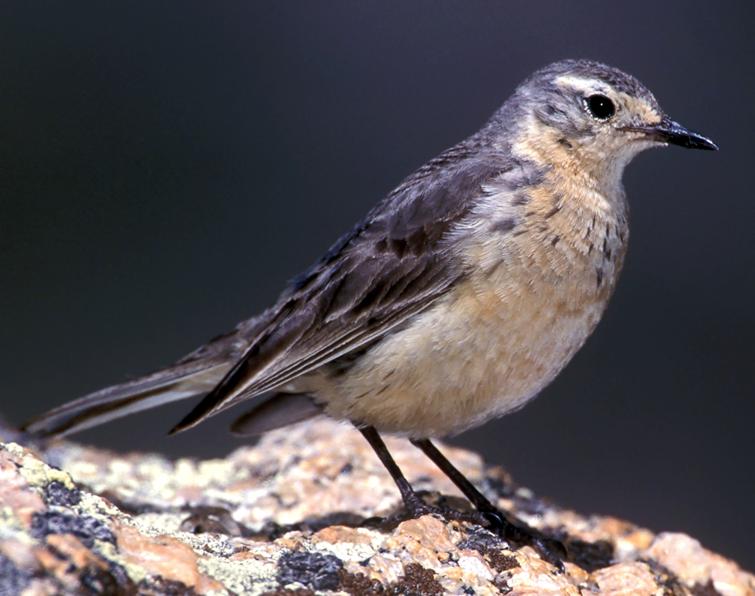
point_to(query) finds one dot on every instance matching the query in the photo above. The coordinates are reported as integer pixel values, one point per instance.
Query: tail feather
(169, 385)
(280, 410)
(195, 374)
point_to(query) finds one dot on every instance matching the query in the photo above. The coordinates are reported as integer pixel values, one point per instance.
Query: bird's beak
(668, 131)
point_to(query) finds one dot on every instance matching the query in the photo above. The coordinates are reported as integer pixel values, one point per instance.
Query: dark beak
(668, 131)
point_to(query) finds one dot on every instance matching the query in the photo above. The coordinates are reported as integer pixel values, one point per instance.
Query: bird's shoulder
(393, 258)
(396, 254)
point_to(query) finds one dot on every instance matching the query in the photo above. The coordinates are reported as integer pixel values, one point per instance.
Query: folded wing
(389, 268)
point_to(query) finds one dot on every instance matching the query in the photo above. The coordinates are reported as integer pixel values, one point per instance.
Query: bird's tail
(175, 383)
(280, 410)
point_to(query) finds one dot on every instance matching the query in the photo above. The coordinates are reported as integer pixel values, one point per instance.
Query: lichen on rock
(300, 513)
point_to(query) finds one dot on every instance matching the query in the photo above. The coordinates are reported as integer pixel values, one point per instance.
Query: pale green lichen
(36, 472)
(155, 524)
(160, 524)
(352, 551)
(11, 527)
(109, 552)
(213, 545)
(242, 576)
(97, 507)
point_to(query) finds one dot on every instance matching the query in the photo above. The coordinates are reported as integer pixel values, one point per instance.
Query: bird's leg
(508, 528)
(515, 531)
(414, 504)
(480, 501)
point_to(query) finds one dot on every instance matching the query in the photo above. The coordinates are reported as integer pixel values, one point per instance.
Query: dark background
(165, 167)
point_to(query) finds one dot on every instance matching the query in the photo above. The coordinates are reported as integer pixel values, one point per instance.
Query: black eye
(600, 106)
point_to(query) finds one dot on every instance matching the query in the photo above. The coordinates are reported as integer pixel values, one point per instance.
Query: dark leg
(412, 501)
(509, 528)
(477, 499)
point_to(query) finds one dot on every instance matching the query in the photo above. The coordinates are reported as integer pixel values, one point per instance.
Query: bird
(455, 300)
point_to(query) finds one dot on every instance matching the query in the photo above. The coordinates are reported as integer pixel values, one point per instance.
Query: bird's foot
(513, 531)
(416, 507)
(550, 549)
(420, 507)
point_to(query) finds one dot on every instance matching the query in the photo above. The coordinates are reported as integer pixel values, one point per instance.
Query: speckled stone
(308, 510)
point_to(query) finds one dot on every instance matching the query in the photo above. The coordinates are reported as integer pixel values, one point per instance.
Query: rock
(298, 514)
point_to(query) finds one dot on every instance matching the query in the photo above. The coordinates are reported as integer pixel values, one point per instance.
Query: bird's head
(593, 118)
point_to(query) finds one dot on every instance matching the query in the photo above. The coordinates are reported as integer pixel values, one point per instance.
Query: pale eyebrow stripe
(635, 104)
(581, 83)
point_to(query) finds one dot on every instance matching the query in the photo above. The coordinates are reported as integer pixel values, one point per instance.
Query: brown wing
(389, 268)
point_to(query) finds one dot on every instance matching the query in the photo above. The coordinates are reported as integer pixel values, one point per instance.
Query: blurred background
(166, 167)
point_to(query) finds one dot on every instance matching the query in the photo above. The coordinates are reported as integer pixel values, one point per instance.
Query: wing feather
(387, 269)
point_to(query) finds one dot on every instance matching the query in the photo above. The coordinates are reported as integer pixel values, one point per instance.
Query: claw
(549, 549)
(496, 520)
(419, 508)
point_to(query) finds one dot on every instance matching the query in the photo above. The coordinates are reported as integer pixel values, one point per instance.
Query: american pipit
(459, 297)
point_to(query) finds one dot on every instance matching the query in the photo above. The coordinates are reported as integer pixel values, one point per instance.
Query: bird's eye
(600, 106)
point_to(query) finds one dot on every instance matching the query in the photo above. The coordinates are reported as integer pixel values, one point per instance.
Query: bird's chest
(560, 255)
(534, 290)
(534, 318)
(539, 291)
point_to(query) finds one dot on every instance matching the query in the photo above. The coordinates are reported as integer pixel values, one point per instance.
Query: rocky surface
(296, 514)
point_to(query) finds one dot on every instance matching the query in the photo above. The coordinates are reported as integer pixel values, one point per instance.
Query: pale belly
(472, 356)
